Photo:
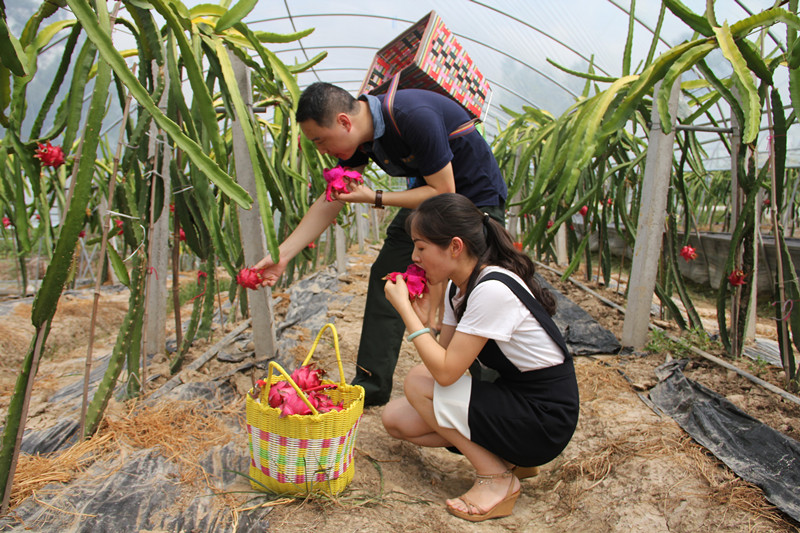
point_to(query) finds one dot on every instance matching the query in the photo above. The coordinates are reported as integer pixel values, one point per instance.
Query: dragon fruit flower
(337, 179)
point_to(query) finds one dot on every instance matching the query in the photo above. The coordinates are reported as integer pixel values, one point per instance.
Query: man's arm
(437, 183)
(319, 216)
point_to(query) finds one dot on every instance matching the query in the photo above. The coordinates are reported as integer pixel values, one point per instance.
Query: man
(419, 134)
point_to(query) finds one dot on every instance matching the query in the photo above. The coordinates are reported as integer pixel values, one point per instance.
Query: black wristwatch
(378, 199)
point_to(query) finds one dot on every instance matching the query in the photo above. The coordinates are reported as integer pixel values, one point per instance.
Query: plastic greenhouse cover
(754, 451)
(512, 42)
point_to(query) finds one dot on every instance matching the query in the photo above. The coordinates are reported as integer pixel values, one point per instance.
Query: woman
(528, 415)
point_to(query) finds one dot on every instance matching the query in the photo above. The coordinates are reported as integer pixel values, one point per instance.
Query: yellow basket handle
(273, 364)
(335, 346)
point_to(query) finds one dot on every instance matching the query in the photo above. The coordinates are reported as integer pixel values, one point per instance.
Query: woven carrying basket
(302, 454)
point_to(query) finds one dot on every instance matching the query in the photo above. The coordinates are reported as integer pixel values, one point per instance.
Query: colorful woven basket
(303, 454)
(428, 56)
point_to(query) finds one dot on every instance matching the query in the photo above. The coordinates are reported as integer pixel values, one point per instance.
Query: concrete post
(650, 228)
(155, 333)
(254, 241)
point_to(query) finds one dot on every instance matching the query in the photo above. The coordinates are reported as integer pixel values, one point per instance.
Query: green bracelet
(417, 333)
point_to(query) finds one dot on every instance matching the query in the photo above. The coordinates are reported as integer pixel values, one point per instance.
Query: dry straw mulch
(181, 430)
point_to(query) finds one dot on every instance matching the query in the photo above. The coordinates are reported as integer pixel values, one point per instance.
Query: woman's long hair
(444, 216)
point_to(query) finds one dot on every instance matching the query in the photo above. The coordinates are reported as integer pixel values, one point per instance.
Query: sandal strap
(471, 506)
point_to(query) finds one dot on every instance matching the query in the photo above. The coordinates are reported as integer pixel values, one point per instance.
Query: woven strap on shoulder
(388, 105)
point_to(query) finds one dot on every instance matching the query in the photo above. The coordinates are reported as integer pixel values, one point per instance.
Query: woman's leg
(403, 422)
(486, 492)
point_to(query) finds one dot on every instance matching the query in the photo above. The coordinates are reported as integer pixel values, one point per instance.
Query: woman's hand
(397, 294)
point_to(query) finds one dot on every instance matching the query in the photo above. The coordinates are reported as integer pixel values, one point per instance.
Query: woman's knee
(392, 419)
(418, 382)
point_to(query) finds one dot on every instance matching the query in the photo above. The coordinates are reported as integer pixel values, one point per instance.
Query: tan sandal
(524, 472)
(502, 508)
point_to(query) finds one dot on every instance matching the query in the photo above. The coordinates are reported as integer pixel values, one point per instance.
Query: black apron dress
(526, 418)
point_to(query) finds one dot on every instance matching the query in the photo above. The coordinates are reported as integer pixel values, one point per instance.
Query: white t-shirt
(494, 312)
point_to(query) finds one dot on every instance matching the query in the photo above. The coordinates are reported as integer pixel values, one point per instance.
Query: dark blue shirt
(425, 119)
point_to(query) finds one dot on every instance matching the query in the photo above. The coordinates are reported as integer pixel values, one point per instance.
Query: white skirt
(451, 405)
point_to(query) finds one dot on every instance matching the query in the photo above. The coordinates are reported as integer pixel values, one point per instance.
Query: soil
(626, 469)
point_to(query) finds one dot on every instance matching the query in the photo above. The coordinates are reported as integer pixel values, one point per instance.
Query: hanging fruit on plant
(736, 278)
(49, 155)
(338, 179)
(688, 253)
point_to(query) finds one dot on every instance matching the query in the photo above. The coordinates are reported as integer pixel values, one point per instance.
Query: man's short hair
(322, 101)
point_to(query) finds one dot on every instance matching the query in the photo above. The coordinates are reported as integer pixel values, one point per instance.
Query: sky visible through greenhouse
(514, 43)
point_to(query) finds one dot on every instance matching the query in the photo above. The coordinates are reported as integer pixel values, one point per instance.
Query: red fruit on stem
(49, 155)
(688, 253)
(736, 278)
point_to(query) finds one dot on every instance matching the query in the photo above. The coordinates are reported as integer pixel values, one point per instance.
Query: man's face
(337, 140)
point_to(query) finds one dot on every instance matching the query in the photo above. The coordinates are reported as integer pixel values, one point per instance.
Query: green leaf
(244, 119)
(269, 37)
(626, 57)
(302, 67)
(235, 15)
(11, 54)
(205, 104)
(592, 77)
(751, 103)
(645, 83)
(754, 60)
(204, 10)
(684, 63)
(44, 304)
(86, 17)
(277, 65)
(58, 80)
(46, 35)
(697, 22)
(119, 267)
(764, 19)
(141, 4)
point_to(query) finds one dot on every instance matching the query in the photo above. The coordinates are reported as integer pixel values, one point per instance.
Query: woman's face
(437, 262)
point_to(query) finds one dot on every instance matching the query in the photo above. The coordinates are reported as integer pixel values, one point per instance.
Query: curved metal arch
(291, 18)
